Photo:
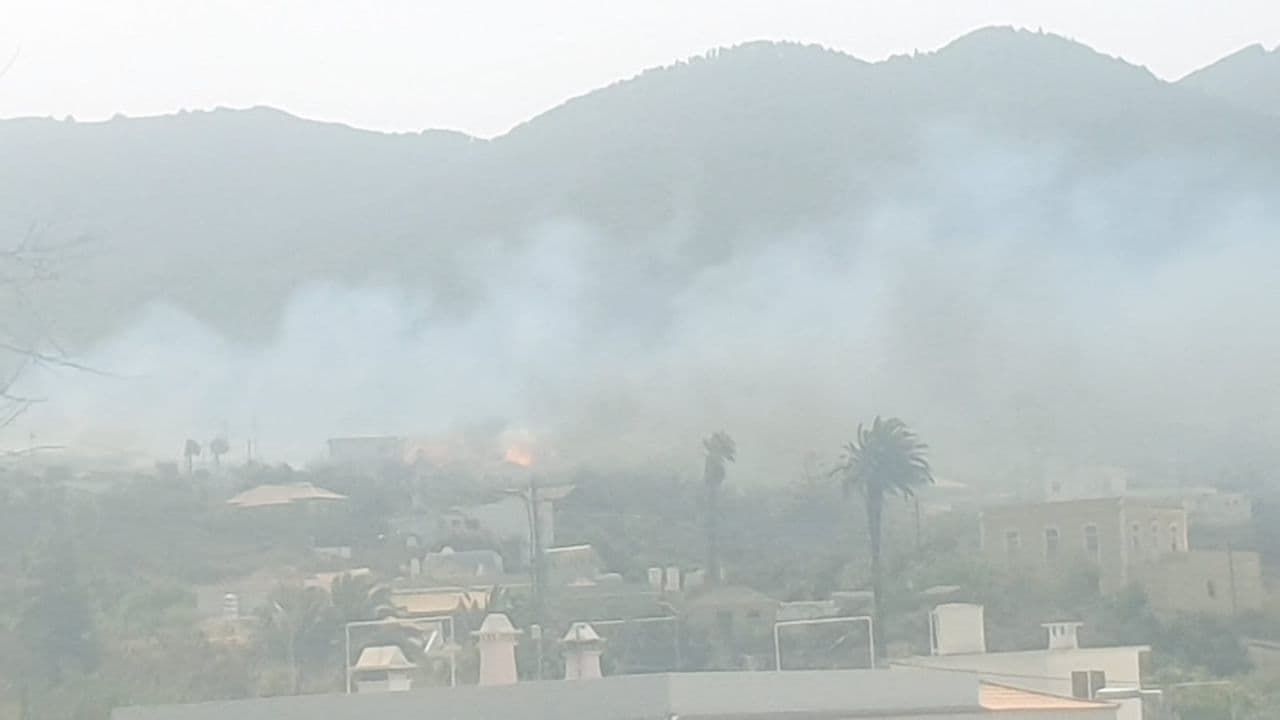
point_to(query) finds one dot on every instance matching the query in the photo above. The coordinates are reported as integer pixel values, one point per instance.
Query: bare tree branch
(24, 339)
(8, 65)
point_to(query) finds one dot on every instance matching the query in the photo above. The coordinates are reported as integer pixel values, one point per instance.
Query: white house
(1062, 667)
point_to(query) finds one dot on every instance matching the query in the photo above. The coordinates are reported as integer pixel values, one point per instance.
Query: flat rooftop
(627, 697)
(817, 695)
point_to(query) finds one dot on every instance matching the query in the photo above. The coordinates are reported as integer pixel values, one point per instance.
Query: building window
(1092, 545)
(1012, 543)
(1211, 588)
(1175, 538)
(1136, 538)
(1051, 544)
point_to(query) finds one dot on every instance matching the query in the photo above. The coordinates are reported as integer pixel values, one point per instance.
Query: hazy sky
(484, 65)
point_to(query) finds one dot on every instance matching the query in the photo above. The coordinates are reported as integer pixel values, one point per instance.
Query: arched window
(1092, 543)
(1051, 543)
(1012, 543)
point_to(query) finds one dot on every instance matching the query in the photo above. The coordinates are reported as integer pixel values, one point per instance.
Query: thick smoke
(1020, 313)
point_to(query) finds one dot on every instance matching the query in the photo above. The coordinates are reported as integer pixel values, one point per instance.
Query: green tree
(56, 625)
(887, 458)
(360, 597)
(219, 447)
(191, 451)
(299, 627)
(720, 450)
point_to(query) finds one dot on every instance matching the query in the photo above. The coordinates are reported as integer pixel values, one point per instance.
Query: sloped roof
(382, 657)
(581, 632)
(267, 495)
(996, 697)
(325, 580)
(497, 624)
(440, 602)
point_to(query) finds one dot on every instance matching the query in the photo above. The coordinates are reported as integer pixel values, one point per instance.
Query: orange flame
(519, 456)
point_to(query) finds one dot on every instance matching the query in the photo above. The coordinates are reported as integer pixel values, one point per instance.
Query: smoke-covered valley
(1013, 317)
(1027, 300)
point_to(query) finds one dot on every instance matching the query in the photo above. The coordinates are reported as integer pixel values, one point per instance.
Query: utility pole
(536, 575)
(1231, 570)
(536, 564)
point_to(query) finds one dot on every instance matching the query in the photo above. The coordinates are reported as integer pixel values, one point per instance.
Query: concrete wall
(1208, 581)
(1045, 670)
(1128, 531)
(1042, 670)
(905, 695)
(1153, 530)
(1069, 519)
(1224, 509)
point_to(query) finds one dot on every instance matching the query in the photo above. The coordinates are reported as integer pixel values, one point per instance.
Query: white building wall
(1041, 670)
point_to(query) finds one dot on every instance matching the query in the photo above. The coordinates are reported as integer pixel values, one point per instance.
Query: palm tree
(219, 447)
(720, 450)
(360, 597)
(887, 458)
(300, 624)
(191, 451)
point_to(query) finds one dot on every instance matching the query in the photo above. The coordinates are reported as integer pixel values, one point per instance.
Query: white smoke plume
(1014, 310)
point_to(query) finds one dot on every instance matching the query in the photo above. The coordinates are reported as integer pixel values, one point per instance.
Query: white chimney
(497, 641)
(415, 567)
(957, 629)
(655, 578)
(673, 579)
(231, 606)
(582, 650)
(1063, 635)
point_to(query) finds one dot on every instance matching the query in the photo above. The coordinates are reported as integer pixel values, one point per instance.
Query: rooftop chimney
(582, 649)
(1063, 635)
(673, 579)
(957, 629)
(655, 578)
(497, 640)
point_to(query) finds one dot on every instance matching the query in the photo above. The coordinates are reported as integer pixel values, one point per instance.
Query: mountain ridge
(1248, 78)
(719, 153)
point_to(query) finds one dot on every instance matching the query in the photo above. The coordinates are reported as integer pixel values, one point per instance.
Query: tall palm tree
(360, 597)
(887, 458)
(219, 447)
(720, 450)
(190, 451)
(299, 624)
